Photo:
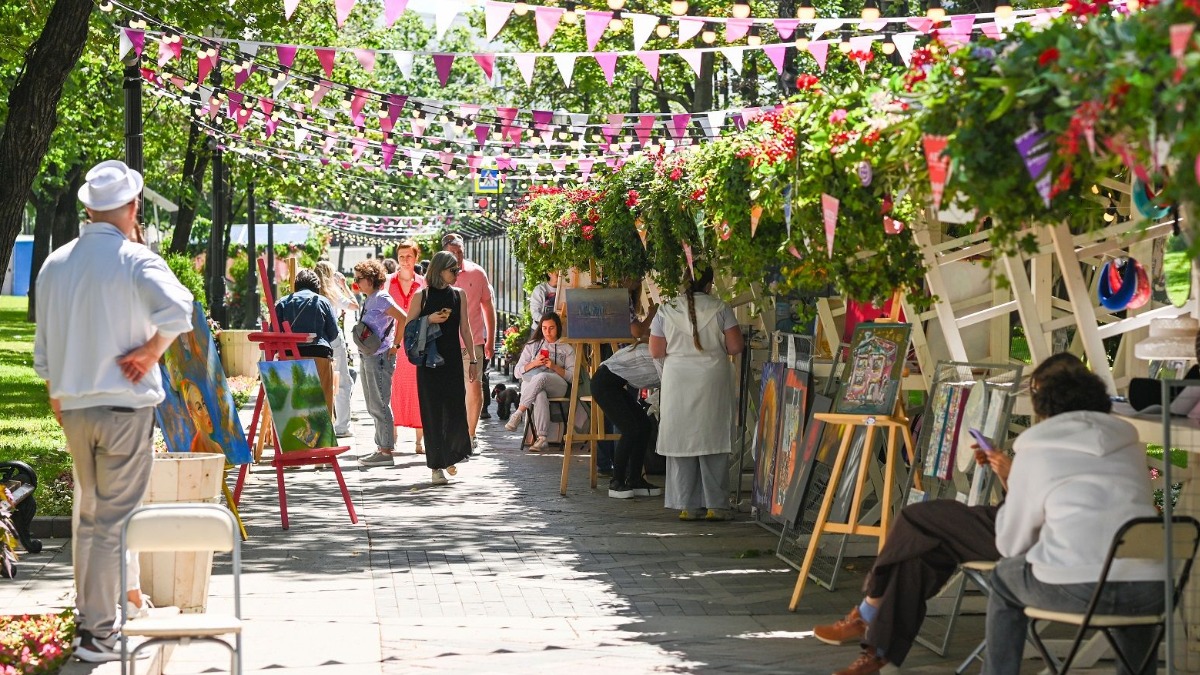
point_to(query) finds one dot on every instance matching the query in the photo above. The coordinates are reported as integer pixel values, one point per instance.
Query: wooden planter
(239, 356)
(181, 579)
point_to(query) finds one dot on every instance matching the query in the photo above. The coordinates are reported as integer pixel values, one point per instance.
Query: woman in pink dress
(406, 410)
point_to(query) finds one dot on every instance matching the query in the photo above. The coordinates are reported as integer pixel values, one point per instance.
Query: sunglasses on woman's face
(454, 270)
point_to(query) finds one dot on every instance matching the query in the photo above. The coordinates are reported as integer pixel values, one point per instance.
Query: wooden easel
(587, 355)
(897, 428)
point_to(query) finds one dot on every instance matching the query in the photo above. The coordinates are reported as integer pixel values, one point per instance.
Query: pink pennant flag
(921, 23)
(289, 7)
(991, 30)
(241, 116)
(343, 7)
(357, 146)
(137, 38)
(736, 29)
(395, 106)
(487, 62)
(829, 211)
(559, 165)
(585, 166)
(961, 26)
(442, 63)
(204, 66)
(269, 127)
(356, 106)
(319, 93)
(776, 53)
(525, 65)
(643, 127)
(877, 24)
(287, 54)
(266, 105)
(613, 128)
(326, 57)
(481, 133)
(689, 27)
(820, 51)
(388, 150)
(692, 56)
(168, 51)
(447, 159)
(608, 64)
(495, 15)
(330, 141)
(240, 77)
(392, 9)
(506, 116)
(1180, 34)
(785, 27)
(546, 19)
(366, 59)
(542, 119)
(594, 25)
(418, 127)
(235, 102)
(679, 124)
(650, 60)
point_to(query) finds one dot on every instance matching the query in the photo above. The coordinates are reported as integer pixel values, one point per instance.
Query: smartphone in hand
(984, 443)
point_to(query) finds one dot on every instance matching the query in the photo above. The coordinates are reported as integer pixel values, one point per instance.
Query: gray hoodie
(1076, 478)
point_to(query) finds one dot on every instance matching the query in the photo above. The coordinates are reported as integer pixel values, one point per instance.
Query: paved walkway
(497, 573)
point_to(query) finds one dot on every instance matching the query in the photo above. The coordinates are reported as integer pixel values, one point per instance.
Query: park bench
(21, 482)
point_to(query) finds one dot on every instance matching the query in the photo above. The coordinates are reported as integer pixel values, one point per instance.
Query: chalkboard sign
(596, 314)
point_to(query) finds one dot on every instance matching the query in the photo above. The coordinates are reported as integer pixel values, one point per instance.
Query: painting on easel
(875, 366)
(766, 437)
(297, 404)
(791, 436)
(197, 413)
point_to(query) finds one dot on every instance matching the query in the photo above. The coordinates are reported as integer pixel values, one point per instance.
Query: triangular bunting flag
(566, 66)
(650, 60)
(613, 129)
(487, 62)
(388, 150)
(444, 16)
(125, 43)
(404, 61)
(546, 19)
(204, 66)
(829, 212)
(692, 56)
(366, 59)
(281, 81)
(608, 64)
(169, 50)
(392, 9)
(240, 77)
(343, 7)
(734, 56)
(645, 125)
(822, 26)
(643, 26)
(525, 64)
(920, 23)
(736, 29)
(299, 136)
(820, 51)
(776, 54)
(138, 38)
(326, 56)
(289, 7)
(679, 124)
(905, 42)
(689, 27)
(786, 27)
(415, 158)
(481, 133)
(991, 30)
(877, 24)
(356, 106)
(442, 63)
(495, 15)
(286, 54)
(594, 25)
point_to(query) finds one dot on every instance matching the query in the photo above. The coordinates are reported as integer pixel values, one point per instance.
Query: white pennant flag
(415, 158)
(126, 44)
(643, 26)
(300, 135)
(281, 81)
(566, 66)
(692, 56)
(249, 48)
(444, 17)
(404, 61)
(525, 64)
(823, 26)
(734, 56)
(904, 45)
(716, 120)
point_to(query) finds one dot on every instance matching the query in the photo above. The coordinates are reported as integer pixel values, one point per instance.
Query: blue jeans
(375, 373)
(1014, 588)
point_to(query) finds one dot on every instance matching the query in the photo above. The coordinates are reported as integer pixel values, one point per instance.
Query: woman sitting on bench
(543, 369)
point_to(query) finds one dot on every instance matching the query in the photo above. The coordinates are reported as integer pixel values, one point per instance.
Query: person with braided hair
(695, 335)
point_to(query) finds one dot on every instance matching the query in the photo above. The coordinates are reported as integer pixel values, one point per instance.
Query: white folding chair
(183, 527)
(1140, 538)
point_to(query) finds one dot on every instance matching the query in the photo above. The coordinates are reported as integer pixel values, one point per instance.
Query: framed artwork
(814, 435)
(297, 405)
(766, 436)
(197, 413)
(791, 435)
(596, 314)
(874, 367)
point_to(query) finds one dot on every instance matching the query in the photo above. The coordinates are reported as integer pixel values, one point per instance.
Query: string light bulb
(616, 5)
(663, 30)
(569, 15)
(801, 39)
(844, 43)
(616, 23)
(753, 38)
(889, 47)
(106, 6)
(935, 10)
(709, 35)
(806, 11)
(679, 7)
(521, 8)
(870, 10)
(1005, 10)
(741, 9)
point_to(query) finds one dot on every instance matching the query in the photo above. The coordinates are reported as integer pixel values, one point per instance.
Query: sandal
(452, 470)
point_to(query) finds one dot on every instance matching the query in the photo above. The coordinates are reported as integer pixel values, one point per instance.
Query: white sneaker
(92, 649)
(439, 477)
(538, 444)
(515, 420)
(140, 612)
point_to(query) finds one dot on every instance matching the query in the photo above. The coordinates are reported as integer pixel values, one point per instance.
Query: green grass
(28, 431)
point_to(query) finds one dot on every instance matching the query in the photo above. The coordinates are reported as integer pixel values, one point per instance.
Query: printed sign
(487, 181)
(596, 314)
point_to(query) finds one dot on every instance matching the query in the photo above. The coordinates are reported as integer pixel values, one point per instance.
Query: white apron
(697, 402)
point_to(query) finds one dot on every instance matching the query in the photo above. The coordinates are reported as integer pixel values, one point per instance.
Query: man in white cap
(481, 309)
(107, 309)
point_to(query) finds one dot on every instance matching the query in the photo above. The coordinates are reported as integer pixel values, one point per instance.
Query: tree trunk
(49, 233)
(703, 99)
(33, 110)
(43, 225)
(787, 9)
(195, 165)
(66, 213)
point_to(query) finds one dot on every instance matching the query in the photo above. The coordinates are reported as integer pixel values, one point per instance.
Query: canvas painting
(197, 414)
(813, 432)
(875, 365)
(766, 436)
(297, 405)
(791, 436)
(596, 313)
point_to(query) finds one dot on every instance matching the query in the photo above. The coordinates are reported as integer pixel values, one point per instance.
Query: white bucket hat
(110, 184)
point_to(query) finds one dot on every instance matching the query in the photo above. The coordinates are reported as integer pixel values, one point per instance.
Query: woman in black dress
(440, 390)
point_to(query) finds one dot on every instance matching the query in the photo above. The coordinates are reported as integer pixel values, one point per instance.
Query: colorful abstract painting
(297, 404)
(766, 436)
(874, 367)
(791, 436)
(197, 414)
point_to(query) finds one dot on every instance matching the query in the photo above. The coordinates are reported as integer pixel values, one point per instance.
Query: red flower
(1050, 55)
(588, 231)
(676, 174)
(871, 137)
(632, 200)
(805, 81)
(698, 195)
(838, 116)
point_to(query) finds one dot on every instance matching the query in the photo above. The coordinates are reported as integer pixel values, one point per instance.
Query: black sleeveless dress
(440, 391)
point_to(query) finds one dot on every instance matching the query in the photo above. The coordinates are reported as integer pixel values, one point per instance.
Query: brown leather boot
(867, 663)
(844, 631)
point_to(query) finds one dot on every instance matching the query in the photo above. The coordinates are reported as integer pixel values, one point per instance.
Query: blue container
(22, 262)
